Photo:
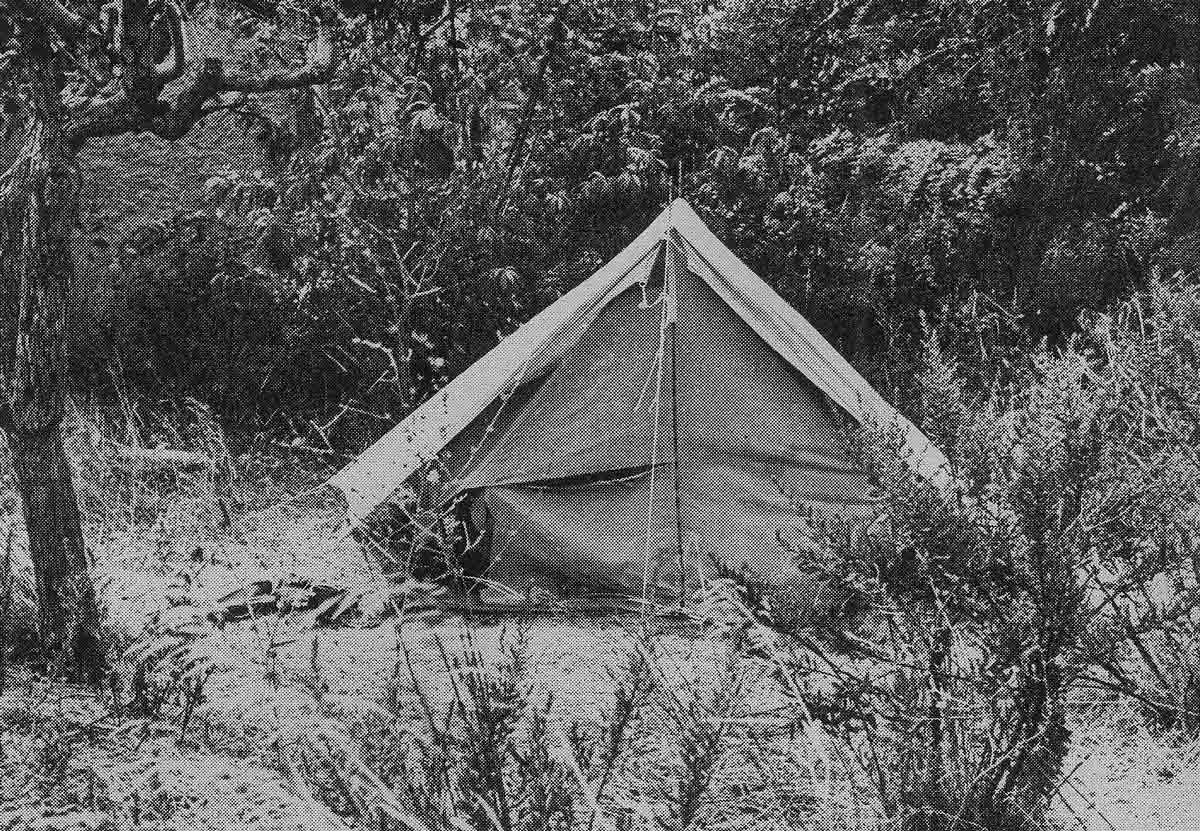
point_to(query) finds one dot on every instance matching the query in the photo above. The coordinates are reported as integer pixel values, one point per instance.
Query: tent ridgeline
(383, 468)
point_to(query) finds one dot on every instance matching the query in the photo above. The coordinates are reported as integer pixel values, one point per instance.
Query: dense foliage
(1054, 560)
(996, 168)
(990, 207)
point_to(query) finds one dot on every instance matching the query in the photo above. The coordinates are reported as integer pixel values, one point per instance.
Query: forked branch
(169, 23)
(56, 17)
(150, 42)
(206, 85)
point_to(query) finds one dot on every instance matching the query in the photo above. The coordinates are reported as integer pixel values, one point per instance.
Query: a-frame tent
(668, 418)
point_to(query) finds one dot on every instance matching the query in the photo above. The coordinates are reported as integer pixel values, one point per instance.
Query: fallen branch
(162, 457)
(271, 596)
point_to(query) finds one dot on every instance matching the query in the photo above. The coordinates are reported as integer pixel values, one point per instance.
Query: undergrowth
(1055, 560)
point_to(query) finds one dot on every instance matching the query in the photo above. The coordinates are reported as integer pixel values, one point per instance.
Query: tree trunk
(68, 616)
(38, 206)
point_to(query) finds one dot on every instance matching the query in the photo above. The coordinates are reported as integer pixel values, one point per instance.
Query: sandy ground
(572, 663)
(1125, 779)
(1121, 778)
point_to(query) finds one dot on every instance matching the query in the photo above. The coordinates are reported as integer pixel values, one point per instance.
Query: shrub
(485, 759)
(985, 588)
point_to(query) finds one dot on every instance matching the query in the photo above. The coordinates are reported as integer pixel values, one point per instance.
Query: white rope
(648, 304)
(659, 360)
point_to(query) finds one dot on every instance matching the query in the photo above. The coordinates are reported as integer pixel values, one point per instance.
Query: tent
(668, 419)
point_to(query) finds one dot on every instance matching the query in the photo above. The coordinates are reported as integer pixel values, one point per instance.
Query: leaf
(403, 817)
(488, 811)
(328, 605)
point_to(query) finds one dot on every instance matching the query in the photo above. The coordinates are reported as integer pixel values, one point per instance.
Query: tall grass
(1069, 500)
(989, 601)
(1058, 558)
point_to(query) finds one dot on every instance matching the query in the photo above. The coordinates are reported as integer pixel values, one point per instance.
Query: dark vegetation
(990, 207)
(997, 168)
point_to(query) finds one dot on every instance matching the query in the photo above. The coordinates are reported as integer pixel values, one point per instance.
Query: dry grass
(431, 723)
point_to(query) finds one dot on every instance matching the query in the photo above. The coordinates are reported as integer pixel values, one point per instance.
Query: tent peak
(380, 470)
(678, 206)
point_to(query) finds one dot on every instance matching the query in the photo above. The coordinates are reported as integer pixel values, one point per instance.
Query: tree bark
(68, 615)
(39, 199)
(38, 203)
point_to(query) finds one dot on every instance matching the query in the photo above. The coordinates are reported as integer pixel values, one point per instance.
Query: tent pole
(672, 268)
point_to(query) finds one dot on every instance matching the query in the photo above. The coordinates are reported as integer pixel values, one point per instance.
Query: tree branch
(173, 65)
(317, 69)
(152, 48)
(232, 102)
(58, 18)
(557, 30)
(129, 110)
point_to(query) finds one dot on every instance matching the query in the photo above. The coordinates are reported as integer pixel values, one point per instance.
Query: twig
(5, 609)
(519, 142)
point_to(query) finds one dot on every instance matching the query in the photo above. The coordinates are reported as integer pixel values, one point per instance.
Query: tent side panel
(596, 411)
(795, 339)
(586, 540)
(603, 539)
(381, 469)
(743, 407)
(760, 460)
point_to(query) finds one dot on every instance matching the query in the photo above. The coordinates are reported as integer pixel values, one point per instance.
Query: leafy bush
(997, 172)
(1002, 589)
(487, 760)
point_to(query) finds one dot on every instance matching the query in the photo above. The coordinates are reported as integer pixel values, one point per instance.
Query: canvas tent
(669, 417)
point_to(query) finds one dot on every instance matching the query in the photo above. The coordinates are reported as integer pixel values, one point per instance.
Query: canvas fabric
(758, 450)
(595, 412)
(491, 383)
(609, 454)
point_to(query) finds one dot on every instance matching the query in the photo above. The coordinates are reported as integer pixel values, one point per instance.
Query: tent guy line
(550, 455)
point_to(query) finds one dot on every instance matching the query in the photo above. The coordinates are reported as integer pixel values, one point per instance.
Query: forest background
(314, 263)
(990, 207)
